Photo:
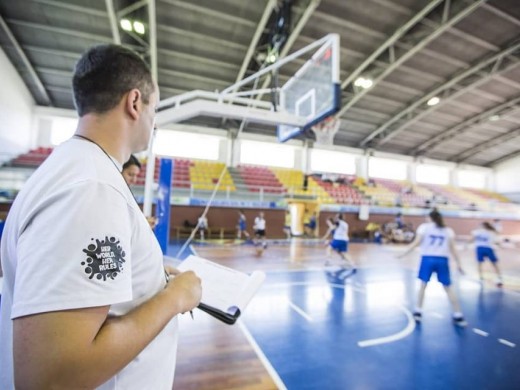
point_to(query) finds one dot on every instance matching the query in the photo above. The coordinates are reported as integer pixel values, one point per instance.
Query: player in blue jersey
(242, 226)
(436, 242)
(485, 239)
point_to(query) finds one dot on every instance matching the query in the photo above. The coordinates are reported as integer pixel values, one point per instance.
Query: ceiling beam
(32, 73)
(131, 8)
(152, 36)
(53, 52)
(499, 160)
(462, 127)
(202, 37)
(191, 6)
(62, 31)
(197, 59)
(502, 14)
(114, 25)
(384, 131)
(271, 4)
(399, 33)
(445, 25)
(502, 139)
(307, 13)
(72, 7)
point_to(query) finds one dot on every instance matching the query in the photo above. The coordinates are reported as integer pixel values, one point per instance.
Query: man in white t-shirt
(86, 302)
(436, 242)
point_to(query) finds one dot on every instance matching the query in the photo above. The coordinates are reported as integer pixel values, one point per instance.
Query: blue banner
(162, 211)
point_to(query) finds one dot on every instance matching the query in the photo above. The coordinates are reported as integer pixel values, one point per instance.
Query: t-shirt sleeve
(421, 229)
(74, 252)
(451, 233)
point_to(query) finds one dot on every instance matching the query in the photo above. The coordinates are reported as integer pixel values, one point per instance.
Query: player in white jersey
(436, 243)
(485, 239)
(259, 228)
(340, 240)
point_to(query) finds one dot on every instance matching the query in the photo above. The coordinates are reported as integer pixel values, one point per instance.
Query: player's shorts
(339, 245)
(437, 264)
(242, 225)
(483, 252)
(260, 233)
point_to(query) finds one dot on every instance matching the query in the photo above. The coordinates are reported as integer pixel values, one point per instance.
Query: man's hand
(186, 288)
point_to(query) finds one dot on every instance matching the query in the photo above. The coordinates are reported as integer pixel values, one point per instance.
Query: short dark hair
(132, 161)
(104, 74)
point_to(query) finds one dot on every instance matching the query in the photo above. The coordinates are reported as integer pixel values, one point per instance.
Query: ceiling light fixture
(364, 83)
(139, 27)
(433, 101)
(126, 24)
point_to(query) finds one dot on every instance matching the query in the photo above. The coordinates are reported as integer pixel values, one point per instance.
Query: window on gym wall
(267, 154)
(385, 168)
(333, 162)
(432, 174)
(186, 145)
(471, 179)
(62, 129)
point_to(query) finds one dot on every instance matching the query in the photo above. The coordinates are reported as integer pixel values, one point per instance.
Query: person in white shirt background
(202, 225)
(340, 241)
(437, 245)
(485, 239)
(259, 227)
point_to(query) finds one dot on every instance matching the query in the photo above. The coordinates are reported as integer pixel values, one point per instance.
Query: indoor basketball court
(314, 326)
(282, 128)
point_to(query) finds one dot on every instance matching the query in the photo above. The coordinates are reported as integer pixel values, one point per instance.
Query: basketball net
(326, 130)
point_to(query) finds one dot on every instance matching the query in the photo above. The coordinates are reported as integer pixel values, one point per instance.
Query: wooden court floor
(213, 355)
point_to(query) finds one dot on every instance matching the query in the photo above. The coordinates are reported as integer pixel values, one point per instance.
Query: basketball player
(437, 243)
(484, 239)
(259, 228)
(242, 226)
(340, 241)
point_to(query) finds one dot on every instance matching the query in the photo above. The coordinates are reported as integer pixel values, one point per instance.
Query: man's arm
(84, 348)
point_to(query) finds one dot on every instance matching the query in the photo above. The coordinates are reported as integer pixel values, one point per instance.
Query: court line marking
(435, 314)
(300, 311)
(263, 359)
(508, 343)
(480, 332)
(394, 337)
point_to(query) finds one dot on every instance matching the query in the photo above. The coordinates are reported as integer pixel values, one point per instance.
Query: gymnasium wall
(16, 112)
(507, 180)
(222, 217)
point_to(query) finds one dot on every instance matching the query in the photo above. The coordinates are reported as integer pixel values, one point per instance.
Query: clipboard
(225, 291)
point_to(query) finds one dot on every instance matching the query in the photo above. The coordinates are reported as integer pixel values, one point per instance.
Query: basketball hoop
(326, 130)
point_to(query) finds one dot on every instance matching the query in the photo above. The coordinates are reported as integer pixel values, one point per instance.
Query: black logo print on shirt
(104, 259)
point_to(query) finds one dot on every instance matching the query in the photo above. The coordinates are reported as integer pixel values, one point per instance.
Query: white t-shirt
(341, 231)
(76, 238)
(203, 222)
(484, 238)
(259, 223)
(435, 241)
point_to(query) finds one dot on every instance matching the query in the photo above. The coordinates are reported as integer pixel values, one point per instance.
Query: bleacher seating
(341, 191)
(293, 181)
(203, 175)
(259, 178)
(33, 158)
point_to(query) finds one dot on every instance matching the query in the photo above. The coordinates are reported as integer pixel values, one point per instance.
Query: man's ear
(133, 103)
